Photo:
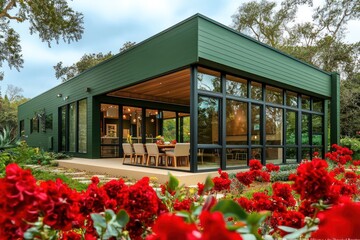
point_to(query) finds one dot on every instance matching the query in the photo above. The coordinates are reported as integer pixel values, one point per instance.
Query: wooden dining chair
(180, 150)
(128, 151)
(140, 152)
(153, 152)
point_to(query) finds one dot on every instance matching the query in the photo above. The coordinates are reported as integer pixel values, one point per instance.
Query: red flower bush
(62, 207)
(255, 164)
(341, 155)
(292, 219)
(223, 182)
(283, 191)
(270, 167)
(214, 227)
(339, 222)
(20, 199)
(141, 203)
(170, 226)
(245, 178)
(312, 180)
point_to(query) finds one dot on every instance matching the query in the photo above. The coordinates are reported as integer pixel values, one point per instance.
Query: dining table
(165, 147)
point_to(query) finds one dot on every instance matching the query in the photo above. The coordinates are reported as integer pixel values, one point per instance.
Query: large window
(268, 123)
(82, 130)
(208, 120)
(73, 127)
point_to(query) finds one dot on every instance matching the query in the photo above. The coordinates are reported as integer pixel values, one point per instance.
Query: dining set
(162, 154)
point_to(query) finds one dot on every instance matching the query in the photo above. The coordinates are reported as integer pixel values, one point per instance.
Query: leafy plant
(6, 139)
(353, 144)
(109, 224)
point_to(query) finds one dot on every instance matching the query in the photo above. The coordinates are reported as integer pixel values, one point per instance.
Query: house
(231, 97)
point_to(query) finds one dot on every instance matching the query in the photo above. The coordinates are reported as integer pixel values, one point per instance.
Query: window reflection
(274, 155)
(236, 86)
(291, 99)
(305, 128)
(72, 127)
(274, 95)
(208, 158)
(317, 130)
(291, 127)
(291, 155)
(208, 80)
(274, 126)
(255, 124)
(236, 122)
(305, 102)
(208, 120)
(318, 105)
(256, 90)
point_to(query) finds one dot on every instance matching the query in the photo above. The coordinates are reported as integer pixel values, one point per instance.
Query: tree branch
(9, 6)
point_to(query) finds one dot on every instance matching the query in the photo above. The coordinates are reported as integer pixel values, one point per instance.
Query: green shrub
(7, 140)
(353, 144)
(281, 175)
(288, 167)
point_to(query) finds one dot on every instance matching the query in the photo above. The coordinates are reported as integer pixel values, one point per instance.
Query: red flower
(20, 199)
(201, 187)
(292, 219)
(245, 178)
(255, 164)
(61, 209)
(71, 236)
(141, 203)
(214, 227)
(245, 203)
(183, 205)
(270, 167)
(283, 190)
(170, 226)
(312, 181)
(339, 222)
(223, 182)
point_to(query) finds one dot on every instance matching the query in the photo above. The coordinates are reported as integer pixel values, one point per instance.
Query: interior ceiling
(173, 88)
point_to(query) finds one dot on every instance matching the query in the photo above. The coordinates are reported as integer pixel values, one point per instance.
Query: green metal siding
(220, 44)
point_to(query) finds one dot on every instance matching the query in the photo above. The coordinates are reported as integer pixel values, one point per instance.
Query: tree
(87, 61)
(319, 42)
(8, 108)
(51, 20)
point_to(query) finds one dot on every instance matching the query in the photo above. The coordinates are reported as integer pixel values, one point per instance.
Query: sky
(108, 25)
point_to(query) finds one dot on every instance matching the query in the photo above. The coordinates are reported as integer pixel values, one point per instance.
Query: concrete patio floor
(114, 166)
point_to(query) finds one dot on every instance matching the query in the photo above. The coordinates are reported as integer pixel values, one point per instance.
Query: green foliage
(110, 225)
(6, 139)
(353, 144)
(281, 176)
(350, 106)
(319, 41)
(87, 61)
(47, 175)
(51, 20)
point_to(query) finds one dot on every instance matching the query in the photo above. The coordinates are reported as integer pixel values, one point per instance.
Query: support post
(335, 109)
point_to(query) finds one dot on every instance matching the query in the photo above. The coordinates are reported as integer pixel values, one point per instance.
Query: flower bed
(320, 202)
